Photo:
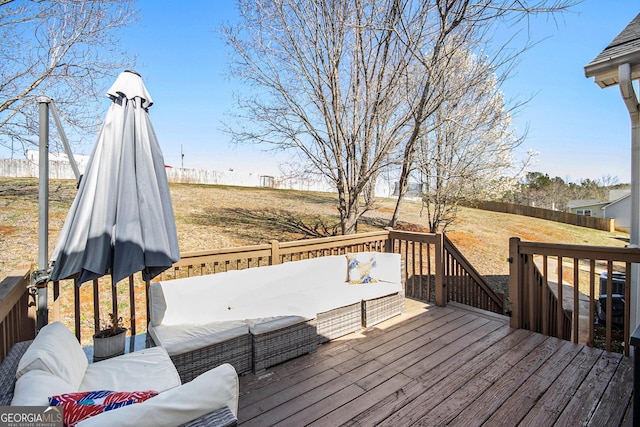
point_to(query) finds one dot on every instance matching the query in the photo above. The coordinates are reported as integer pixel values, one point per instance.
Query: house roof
(624, 49)
(617, 200)
(572, 204)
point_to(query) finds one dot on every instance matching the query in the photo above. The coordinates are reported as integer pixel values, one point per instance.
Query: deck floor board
(437, 366)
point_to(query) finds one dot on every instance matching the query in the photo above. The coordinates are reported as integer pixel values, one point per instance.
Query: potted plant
(110, 340)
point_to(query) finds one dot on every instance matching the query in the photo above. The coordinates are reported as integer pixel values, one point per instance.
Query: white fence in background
(59, 168)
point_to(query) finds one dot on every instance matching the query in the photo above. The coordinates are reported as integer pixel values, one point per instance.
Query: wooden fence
(605, 224)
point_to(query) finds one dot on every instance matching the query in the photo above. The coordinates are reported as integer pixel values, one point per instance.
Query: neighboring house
(590, 207)
(620, 210)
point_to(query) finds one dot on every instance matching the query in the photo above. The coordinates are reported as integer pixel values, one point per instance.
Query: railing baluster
(532, 295)
(420, 270)
(545, 296)
(627, 308)
(609, 305)
(560, 298)
(429, 273)
(592, 298)
(132, 306)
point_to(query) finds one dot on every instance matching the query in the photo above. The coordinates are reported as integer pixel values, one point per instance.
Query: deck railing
(554, 289)
(17, 313)
(423, 259)
(463, 283)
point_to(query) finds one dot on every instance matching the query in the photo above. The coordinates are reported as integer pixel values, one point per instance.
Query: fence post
(514, 282)
(440, 292)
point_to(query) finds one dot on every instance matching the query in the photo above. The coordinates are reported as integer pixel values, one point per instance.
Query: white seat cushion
(148, 369)
(179, 339)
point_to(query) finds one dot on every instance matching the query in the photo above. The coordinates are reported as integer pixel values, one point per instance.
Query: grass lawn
(211, 216)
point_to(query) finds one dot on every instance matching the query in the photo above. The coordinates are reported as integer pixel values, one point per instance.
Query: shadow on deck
(435, 366)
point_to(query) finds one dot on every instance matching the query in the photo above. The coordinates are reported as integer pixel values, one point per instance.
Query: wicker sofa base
(271, 348)
(8, 370)
(339, 322)
(378, 310)
(236, 351)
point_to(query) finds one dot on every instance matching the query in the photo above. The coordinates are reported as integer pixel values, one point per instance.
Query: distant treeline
(541, 191)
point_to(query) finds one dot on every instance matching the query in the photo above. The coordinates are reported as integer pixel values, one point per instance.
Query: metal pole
(65, 142)
(42, 314)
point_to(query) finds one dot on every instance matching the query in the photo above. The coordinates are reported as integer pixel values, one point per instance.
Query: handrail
(580, 251)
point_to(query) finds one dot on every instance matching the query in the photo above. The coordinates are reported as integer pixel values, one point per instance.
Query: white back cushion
(388, 267)
(57, 351)
(192, 300)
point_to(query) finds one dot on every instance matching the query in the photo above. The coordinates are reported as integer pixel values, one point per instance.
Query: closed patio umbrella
(121, 220)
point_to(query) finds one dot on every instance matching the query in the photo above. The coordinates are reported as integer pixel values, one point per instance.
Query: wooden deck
(442, 366)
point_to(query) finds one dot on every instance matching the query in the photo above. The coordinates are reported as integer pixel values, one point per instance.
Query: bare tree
(461, 25)
(470, 144)
(351, 83)
(63, 49)
(328, 74)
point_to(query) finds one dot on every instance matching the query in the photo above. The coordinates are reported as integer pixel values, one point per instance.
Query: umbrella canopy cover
(121, 220)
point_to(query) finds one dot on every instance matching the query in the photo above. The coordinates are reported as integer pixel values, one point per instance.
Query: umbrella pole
(42, 314)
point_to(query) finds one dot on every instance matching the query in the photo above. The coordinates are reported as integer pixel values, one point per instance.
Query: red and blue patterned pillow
(82, 405)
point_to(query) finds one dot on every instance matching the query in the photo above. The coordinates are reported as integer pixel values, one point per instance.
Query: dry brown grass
(210, 217)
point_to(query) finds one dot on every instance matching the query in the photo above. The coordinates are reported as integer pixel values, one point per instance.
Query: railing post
(388, 244)
(275, 252)
(514, 282)
(440, 294)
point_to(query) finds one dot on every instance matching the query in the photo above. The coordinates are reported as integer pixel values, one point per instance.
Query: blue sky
(580, 130)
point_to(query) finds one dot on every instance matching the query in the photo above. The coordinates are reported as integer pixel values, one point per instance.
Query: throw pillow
(362, 268)
(82, 405)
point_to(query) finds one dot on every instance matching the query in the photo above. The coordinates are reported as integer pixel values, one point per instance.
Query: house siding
(621, 211)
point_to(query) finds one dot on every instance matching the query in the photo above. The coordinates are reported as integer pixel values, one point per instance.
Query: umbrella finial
(129, 85)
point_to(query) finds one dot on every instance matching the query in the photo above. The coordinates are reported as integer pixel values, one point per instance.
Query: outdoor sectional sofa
(258, 317)
(54, 364)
